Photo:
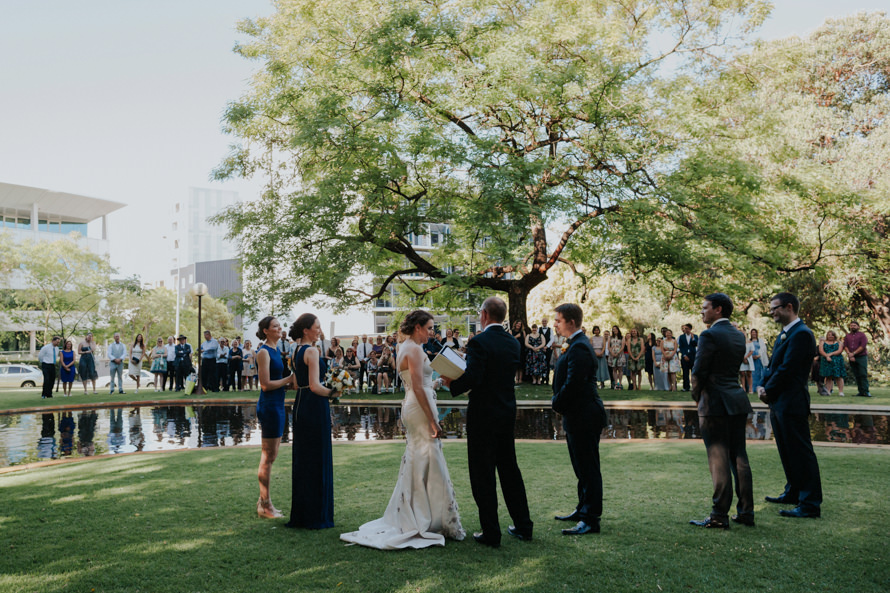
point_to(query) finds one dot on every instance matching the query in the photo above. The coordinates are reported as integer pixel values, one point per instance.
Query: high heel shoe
(265, 509)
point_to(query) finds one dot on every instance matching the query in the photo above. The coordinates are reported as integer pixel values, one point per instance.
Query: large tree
(373, 121)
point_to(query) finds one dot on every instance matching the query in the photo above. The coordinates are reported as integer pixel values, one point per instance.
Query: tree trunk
(517, 298)
(880, 309)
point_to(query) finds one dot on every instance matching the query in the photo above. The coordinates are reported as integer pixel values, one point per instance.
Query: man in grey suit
(723, 409)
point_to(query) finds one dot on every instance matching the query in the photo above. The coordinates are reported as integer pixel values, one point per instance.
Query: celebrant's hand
(761, 393)
(446, 382)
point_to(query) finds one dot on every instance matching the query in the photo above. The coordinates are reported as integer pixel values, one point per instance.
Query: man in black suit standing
(492, 360)
(723, 409)
(688, 343)
(785, 390)
(583, 415)
(547, 336)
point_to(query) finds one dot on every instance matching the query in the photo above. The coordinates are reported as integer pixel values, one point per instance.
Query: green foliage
(372, 120)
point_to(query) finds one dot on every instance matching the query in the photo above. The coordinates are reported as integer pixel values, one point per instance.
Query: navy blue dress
(312, 504)
(270, 406)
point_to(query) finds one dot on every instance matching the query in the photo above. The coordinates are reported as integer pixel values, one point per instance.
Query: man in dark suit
(785, 390)
(547, 336)
(184, 367)
(492, 360)
(583, 415)
(723, 409)
(688, 343)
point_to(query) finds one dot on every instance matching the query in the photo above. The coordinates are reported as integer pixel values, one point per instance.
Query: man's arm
(476, 365)
(798, 353)
(704, 365)
(579, 363)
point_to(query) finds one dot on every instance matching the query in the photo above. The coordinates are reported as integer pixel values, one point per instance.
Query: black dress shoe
(743, 520)
(583, 528)
(480, 537)
(779, 500)
(710, 523)
(799, 513)
(573, 516)
(526, 537)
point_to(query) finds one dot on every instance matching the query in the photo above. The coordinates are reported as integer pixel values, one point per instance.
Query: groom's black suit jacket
(492, 360)
(715, 376)
(574, 386)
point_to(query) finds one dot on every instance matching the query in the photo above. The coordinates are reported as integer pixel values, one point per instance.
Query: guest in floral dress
(536, 356)
(616, 358)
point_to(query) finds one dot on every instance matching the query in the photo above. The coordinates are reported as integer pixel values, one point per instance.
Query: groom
(492, 360)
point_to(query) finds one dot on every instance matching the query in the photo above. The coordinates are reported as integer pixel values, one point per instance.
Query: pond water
(27, 438)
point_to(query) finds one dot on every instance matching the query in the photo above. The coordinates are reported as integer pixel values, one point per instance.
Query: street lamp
(199, 290)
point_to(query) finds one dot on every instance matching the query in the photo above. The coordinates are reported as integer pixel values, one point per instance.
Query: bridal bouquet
(339, 380)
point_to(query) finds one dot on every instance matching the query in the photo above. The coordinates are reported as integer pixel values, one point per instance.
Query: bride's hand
(438, 433)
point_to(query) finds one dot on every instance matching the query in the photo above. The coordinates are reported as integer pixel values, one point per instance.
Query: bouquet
(339, 380)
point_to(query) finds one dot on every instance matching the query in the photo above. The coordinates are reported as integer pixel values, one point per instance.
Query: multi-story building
(36, 214)
(202, 253)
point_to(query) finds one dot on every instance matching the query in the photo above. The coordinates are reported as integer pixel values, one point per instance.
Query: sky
(123, 101)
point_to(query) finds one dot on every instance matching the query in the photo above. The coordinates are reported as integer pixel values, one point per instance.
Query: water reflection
(28, 438)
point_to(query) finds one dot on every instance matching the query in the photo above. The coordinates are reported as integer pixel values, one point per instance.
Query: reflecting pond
(27, 438)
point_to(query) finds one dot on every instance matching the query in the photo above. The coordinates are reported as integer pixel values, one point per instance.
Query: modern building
(36, 214)
(203, 254)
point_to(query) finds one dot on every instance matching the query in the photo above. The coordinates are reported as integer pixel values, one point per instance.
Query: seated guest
(385, 368)
(372, 371)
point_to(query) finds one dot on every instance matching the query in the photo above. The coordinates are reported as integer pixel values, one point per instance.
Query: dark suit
(183, 364)
(584, 416)
(492, 360)
(687, 346)
(785, 382)
(547, 334)
(723, 409)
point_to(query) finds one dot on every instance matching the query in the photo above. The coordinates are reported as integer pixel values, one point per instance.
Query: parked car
(146, 379)
(20, 375)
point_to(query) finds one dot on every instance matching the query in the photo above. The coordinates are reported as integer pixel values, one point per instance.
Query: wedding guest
(535, 358)
(385, 367)
(635, 362)
(648, 360)
(746, 370)
(183, 361)
(661, 379)
(86, 366)
(158, 367)
(378, 346)
(270, 409)
(832, 366)
(856, 346)
(432, 347)
(688, 343)
(351, 364)
(236, 365)
(519, 333)
(171, 364)
(450, 341)
(117, 353)
(137, 353)
(285, 350)
(208, 351)
(323, 345)
(372, 368)
(548, 335)
(222, 364)
(363, 352)
(67, 371)
(47, 357)
(759, 357)
(312, 501)
(616, 359)
(815, 370)
(600, 345)
(560, 344)
(249, 371)
(669, 359)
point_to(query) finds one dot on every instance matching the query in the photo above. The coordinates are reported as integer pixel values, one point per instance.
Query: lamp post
(199, 290)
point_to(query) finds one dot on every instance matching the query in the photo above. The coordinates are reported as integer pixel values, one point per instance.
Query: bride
(422, 511)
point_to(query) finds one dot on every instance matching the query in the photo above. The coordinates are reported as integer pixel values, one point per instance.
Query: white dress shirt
(48, 354)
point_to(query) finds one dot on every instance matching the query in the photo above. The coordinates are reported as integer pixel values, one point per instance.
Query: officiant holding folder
(492, 360)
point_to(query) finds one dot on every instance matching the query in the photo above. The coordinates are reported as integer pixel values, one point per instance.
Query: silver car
(20, 375)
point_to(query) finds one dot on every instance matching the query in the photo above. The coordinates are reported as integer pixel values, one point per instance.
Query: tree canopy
(529, 128)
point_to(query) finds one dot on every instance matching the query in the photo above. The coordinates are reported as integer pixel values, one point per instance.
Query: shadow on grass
(186, 522)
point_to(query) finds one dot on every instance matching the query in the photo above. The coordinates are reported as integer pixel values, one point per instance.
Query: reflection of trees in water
(66, 433)
(86, 432)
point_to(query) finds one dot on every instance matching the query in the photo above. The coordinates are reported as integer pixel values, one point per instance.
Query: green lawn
(30, 398)
(185, 522)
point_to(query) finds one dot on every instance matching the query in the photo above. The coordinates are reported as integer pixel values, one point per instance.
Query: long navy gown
(312, 505)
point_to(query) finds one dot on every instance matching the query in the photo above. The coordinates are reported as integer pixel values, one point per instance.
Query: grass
(30, 398)
(185, 522)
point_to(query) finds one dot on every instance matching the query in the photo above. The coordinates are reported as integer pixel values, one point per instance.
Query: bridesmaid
(312, 504)
(269, 409)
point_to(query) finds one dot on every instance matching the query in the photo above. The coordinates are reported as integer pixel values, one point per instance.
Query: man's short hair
(786, 298)
(571, 312)
(719, 299)
(496, 309)
(56, 338)
(856, 322)
(685, 325)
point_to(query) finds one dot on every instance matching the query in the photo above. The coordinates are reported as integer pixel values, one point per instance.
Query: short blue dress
(270, 406)
(68, 376)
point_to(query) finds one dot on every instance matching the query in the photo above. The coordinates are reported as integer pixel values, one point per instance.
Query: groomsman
(688, 343)
(785, 390)
(723, 409)
(583, 415)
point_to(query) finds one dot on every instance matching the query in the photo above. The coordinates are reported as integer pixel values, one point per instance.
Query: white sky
(123, 100)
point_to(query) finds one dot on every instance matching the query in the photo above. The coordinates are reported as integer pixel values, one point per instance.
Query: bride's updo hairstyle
(412, 320)
(265, 322)
(303, 322)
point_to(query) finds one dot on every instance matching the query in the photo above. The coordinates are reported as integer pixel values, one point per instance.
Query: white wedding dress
(422, 511)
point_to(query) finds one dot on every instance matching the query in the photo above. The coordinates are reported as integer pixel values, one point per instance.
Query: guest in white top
(117, 353)
(171, 364)
(137, 353)
(47, 357)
